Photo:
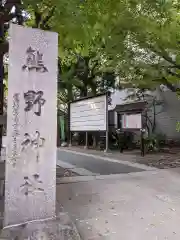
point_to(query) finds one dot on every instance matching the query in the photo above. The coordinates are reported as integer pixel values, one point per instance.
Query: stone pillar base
(59, 228)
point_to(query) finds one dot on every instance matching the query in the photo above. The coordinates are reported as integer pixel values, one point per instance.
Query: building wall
(168, 113)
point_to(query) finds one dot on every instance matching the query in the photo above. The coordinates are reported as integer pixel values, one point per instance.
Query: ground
(95, 164)
(90, 163)
(162, 160)
(119, 197)
(136, 206)
(113, 196)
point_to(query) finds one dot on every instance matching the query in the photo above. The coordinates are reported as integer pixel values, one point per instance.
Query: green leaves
(137, 39)
(178, 126)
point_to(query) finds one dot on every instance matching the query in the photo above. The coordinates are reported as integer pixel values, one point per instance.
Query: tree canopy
(150, 51)
(138, 40)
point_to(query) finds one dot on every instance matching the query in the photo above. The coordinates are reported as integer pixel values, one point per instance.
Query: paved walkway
(96, 164)
(111, 154)
(134, 206)
(163, 160)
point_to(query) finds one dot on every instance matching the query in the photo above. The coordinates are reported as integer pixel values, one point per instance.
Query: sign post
(30, 189)
(107, 124)
(86, 141)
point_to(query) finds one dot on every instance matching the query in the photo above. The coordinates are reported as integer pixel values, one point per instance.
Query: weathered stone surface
(30, 179)
(59, 228)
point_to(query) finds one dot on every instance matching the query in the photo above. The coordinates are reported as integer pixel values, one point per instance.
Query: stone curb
(67, 180)
(73, 168)
(60, 227)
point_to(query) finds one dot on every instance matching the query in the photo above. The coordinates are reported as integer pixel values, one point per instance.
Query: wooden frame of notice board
(130, 109)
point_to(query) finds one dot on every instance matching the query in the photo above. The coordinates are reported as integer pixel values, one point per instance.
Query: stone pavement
(96, 164)
(135, 206)
(162, 160)
(111, 154)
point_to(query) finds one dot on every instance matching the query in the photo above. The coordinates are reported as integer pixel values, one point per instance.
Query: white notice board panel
(132, 121)
(89, 114)
(30, 189)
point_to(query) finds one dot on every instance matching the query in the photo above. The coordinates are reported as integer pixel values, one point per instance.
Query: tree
(83, 78)
(67, 83)
(69, 19)
(95, 78)
(142, 38)
(6, 15)
(79, 38)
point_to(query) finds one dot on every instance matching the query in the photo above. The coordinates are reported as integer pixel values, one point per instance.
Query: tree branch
(4, 47)
(93, 68)
(173, 73)
(10, 3)
(165, 82)
(38, 18)
(6, 17)
(164, 55)
(47, 18)
(168, 84)
(170, 60)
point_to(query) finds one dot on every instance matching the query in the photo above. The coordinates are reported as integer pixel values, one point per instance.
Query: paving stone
(160, 160)
(133, 207)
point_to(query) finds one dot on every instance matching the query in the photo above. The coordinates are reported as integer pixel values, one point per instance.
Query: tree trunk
(94, 141)
(154, 116)
(83, 92)
(70, 94)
